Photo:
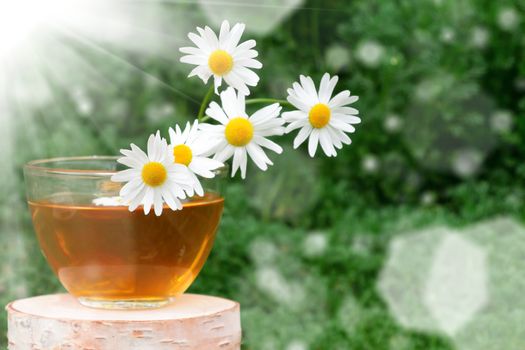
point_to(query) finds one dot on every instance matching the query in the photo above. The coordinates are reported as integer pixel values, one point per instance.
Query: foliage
(442, 142)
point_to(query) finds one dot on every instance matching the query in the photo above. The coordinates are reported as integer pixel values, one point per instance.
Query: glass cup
(107, 256)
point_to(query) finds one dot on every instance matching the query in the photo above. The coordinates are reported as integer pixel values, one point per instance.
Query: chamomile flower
(189, 148)
(223, 57)
(320, 117)
(153, 178)
(240, 135)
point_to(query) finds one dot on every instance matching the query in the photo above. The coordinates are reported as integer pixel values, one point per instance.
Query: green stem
(267, 100)
(200, 116)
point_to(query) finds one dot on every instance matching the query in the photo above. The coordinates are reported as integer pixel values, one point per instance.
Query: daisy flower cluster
(169, 172)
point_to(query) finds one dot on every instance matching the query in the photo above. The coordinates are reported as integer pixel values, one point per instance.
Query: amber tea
(108, 253)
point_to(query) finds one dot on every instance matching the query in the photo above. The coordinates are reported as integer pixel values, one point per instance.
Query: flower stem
(267, 100)
(207, 97)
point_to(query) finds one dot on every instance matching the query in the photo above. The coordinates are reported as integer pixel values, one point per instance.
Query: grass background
(442, 98)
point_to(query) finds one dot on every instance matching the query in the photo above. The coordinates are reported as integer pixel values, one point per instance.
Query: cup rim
(38, 166)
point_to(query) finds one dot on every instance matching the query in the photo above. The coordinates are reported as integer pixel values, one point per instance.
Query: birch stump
(59, 322)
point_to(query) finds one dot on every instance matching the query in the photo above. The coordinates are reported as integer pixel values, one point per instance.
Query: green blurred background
(302, 246)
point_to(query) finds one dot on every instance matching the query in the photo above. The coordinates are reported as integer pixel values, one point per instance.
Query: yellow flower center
(182, 154)
(239, 131)
(319, 115)
(220, 62)
(154, 174)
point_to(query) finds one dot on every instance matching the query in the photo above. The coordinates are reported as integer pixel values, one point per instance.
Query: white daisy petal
(341, 125)
(270, 132)
(350, 119)
(326, 143)
(294, 115)
(327, 87)
(298, 91)
(195, 60)
(296, 125)
(235, 36)
(245, 47)
(264, 114)
(236, 160)
(302, 136)
(137, 200)
(274, 124)
(343, 137)
(303, 106)
(203, 166)
(244, 54)
(244, 162)
(131, 162)
(249, 63)
(175, 138)
(147, 202)
(132, 187)
(192, 51)
(157, 203)
(201, 72)
(214, 111)
(309, 87)
(211, 38)
(258, 156)
(229, 103)
(341, 99)
(335, 137)
(152, 149)
(170, 200)
(139, 153)
(225, 154)
(345, 110)
(224, 33)
(313, 141)
(125, 175)
(235, 81)
(247, 75)
(198, 187)
(264, 142)
(200, 42)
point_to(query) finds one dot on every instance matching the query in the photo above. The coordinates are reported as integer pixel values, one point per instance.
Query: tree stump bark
(59, 322)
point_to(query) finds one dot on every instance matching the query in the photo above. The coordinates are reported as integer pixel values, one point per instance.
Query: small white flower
(508, 18)
(501, 121)
(240, 135)
(466, 162)
(153, 178)
(83, 101)
(479, 37)
(370, 53)
(370, 163)
(321, 117)
(428, 198)
(297, 345)
(447, 34)
(393, 123)
(223, 57)
(337, 57)
(315, 244)
(189, 148)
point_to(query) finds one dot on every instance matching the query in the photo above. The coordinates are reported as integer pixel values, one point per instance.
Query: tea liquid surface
(103, 252)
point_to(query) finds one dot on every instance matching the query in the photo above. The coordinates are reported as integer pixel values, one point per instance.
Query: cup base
(124, 304)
